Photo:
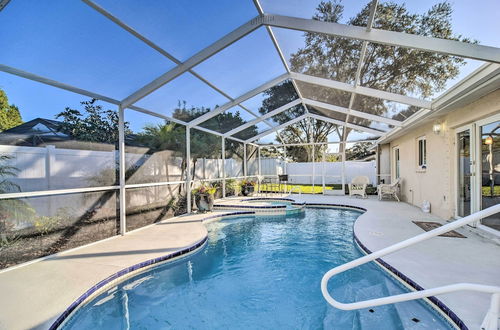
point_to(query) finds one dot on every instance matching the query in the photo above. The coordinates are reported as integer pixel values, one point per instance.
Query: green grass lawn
(318, 189)
(487, 191)
(305, 189)
(308, 189)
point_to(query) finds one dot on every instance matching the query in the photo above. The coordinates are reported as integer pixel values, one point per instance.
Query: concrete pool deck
(436, 262)
(34, 295)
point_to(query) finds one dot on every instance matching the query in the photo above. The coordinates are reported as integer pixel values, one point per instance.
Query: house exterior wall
(384, 163)
(437, 183)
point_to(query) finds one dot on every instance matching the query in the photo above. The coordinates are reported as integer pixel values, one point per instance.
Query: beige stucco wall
(384, 163)
(437, 183)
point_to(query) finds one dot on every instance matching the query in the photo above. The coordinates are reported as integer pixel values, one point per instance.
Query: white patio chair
(358, 186)
(390, 190)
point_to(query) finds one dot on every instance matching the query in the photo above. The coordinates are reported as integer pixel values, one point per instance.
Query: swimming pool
(259, 273)
(262, 206)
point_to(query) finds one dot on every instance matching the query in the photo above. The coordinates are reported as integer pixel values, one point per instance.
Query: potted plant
(247, 187)
(232, 187)
(204, 197)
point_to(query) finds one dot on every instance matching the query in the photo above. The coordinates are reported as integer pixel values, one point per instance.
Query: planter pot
(247, 190)
(204, 202)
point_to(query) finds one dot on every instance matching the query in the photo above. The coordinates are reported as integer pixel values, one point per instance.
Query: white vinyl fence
(301, 173)
(48, 168)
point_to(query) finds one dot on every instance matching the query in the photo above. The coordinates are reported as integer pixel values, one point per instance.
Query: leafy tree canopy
(9, 113)
(388, 68)
(359, 151)
(172, 136)
(94, 124)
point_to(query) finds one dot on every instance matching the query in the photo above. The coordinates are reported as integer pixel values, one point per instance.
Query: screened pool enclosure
(208, 95)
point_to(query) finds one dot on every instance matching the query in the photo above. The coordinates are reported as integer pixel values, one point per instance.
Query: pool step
(380, 317)
(412, 316)
(376, 318)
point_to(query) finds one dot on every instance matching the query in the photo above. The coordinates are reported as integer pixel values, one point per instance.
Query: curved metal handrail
(490, 321)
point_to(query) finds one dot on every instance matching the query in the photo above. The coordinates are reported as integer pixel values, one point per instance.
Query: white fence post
(50, 160)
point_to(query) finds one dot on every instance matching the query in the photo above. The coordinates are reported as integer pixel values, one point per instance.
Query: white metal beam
(357, 79)
(267, 115)
(200, 128)
(199, 57)
(353, 126)
(274, 129)
(278, 48)
(122, 170)
(155, 114)
(188, 170)
(50, 82)
(238, 100)
(80, 91)
(162, 51)
(3, 3)
(355, 113)
(362, 90)
(436, 45)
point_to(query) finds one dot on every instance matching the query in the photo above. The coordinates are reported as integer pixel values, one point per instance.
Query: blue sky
(70, 42)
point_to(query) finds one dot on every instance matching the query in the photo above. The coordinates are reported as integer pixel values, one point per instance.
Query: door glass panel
(490, 171)
(464, 175)
(396, 159)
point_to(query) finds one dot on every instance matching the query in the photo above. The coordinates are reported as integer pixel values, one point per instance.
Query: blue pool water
(259, 273)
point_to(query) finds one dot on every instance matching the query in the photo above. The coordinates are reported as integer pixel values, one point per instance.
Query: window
(397, 172)
(422, 153)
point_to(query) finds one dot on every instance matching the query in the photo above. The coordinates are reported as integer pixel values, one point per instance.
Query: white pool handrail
(490, 321)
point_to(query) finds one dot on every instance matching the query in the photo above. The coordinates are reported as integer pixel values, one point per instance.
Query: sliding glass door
(464, 170)
(478, 169)
(489, 155)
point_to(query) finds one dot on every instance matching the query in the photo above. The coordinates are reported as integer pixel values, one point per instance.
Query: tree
(9, 113)
(393, 69)
(302, 132)
(94, 125)
(172, 136)
(358, 151)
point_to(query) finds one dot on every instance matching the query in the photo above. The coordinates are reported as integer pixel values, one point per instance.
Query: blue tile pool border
(80, 300)
(438, 303)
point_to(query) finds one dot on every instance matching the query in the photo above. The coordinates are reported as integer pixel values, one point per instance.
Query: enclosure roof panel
(249, 69)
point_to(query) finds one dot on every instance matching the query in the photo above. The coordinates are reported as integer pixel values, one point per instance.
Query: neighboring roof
(38, 126)
(42, 131)
(34, 132)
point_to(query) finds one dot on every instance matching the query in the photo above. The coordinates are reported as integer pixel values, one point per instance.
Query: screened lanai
(203, 96)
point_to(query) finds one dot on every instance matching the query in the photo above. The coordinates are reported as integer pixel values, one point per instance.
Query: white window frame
(422, 155)
(396, 156)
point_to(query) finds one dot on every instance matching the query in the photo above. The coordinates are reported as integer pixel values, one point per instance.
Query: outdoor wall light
(488, 141)
(437, 128)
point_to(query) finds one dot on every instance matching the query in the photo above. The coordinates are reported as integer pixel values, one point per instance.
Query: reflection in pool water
(258, 273)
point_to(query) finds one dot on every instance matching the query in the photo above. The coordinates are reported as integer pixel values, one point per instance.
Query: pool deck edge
(43, 293)
(71, 278)
(433, 263)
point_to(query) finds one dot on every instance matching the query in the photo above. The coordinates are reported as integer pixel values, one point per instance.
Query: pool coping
(121, 275)
(127, 272)
(434, 302)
